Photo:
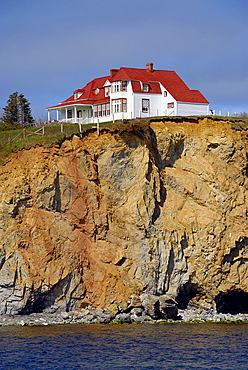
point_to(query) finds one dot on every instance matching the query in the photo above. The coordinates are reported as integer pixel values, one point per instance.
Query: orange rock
(104, 218)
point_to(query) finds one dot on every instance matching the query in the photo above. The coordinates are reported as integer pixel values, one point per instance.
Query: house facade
(130, 93)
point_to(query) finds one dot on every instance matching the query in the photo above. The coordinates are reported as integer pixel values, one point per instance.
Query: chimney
(149, 67)
(113, 72)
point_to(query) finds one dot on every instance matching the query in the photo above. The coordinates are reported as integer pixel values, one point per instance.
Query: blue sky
(51, 47)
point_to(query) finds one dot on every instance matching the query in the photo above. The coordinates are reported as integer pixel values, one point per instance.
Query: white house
(129, 93)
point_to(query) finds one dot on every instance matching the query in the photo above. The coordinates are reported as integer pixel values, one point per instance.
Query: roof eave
(192, 102)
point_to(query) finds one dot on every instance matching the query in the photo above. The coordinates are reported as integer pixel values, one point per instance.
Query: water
(145, 346)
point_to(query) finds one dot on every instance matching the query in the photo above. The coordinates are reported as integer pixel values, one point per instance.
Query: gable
(107, 83)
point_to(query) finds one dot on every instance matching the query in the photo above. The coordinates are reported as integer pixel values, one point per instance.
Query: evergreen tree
(17, 111)
(10, 112)
(25, 115)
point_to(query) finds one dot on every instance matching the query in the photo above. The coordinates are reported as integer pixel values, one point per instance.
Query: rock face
(127, 219)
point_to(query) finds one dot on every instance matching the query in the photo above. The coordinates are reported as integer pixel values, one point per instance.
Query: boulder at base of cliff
(159, 307)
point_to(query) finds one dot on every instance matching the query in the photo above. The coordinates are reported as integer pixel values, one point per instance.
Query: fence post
(43, 130)
(24, 133)
(97, 127)
(61, 127)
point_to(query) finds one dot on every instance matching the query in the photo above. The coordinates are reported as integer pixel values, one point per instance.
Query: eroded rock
(159, 213)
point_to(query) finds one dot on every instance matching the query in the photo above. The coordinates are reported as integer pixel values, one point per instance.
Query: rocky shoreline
(141, 221)
(95, 316)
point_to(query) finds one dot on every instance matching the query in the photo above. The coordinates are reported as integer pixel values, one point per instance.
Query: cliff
(127, 218)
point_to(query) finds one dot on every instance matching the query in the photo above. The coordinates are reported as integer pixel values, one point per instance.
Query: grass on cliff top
(13, 140)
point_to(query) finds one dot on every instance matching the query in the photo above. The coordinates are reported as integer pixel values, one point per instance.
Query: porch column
(48, 116)
(57, 114)
(75, 114)
(65, 113)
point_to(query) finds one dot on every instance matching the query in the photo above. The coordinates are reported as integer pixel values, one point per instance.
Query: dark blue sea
(136, 346)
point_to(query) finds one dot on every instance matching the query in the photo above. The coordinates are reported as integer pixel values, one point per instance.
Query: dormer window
(97, 91)
(77, 95)
(145, 87)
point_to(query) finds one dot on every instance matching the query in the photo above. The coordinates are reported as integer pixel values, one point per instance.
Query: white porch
(71, 114)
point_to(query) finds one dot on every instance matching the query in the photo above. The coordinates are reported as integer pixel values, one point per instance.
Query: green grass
(14, 140)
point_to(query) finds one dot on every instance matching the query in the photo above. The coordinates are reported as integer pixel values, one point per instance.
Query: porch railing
(83, 121)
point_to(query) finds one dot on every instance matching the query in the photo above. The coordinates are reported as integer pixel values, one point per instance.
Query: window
(145, 87)
(107, 91)
(79, 113)
(95, 111)
(119, 86)
(101, 110)
(116, 86)
(124, 86)
(124, 105)
(116, 106)
(145, 105)
(165, 93)
(69, 114)
(170, 105)
(119, 105)
(107, 109)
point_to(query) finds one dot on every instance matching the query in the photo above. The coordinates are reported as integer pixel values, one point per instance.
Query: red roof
(94, 91)
(169, 79)
(154, 87)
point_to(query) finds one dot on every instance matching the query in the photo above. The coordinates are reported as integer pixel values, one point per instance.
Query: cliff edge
(126, 219)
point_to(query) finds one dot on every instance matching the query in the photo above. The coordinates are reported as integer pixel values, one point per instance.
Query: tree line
(17, 113)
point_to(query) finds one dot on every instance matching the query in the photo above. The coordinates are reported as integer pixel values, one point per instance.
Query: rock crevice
(152, 213)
